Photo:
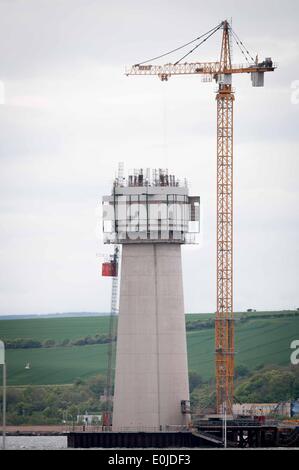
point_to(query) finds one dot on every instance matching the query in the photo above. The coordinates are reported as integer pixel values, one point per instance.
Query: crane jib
(198, 68)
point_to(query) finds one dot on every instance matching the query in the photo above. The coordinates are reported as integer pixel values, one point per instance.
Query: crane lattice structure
(221, 71)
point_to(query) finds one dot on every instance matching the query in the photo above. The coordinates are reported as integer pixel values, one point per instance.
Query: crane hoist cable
(181, 47)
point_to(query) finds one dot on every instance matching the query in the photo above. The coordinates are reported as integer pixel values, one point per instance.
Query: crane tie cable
(242, 52)
(181, 47)
(241, 44)
(192, 50)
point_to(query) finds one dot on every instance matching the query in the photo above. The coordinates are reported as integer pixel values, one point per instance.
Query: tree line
(55, 404)
(29, 343)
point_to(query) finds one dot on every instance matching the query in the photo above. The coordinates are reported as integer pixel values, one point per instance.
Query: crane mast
(222, 71)
(224, 323)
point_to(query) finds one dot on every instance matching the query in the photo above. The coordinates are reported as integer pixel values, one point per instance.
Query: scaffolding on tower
(110, 269)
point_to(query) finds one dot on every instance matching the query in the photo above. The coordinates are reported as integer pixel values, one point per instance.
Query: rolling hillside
(261, 338)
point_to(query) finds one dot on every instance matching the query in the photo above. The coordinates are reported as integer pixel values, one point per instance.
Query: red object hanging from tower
(109, 269)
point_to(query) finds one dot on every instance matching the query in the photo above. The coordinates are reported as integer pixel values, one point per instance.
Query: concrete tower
(151, 215)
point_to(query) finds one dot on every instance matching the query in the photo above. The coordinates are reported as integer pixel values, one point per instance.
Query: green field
(53, 328)
(258, 341)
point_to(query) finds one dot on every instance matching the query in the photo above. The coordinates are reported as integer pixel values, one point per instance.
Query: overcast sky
(69, 115)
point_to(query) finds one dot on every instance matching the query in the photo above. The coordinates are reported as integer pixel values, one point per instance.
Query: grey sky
(70, 115)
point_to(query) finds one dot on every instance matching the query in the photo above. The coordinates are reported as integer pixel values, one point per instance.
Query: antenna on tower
(120, 173)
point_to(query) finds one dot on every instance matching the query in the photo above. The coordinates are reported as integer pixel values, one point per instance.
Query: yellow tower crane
(221, 71)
